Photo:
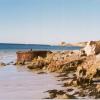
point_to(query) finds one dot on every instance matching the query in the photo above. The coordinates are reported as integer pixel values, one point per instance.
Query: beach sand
(17, 83)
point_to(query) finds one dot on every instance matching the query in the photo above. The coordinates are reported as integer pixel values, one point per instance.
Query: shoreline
(82, 64)
(78, 71)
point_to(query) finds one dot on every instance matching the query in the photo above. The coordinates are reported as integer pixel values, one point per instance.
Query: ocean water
(36, 47)
(18, 83)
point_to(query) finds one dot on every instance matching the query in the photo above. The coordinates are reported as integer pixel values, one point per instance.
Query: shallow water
(17, 83)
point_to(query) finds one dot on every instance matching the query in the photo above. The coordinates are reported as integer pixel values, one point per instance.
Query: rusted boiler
(29, 55)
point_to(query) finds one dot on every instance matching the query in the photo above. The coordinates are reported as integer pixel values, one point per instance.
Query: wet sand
(23, 85)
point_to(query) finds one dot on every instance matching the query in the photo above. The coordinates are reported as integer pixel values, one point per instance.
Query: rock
(41, 72)
(98, 61)
(59, 94)
(82, 94)
(82, 53)
(63, 66)
(97, 96)
(94, 91)
(38, 63)
(52, 93)
(2, 64)
(65, 85)
(68, 82)
(65, 96)
(74, 82)
(98, 87)
(57, 62)
(62, 75)
(20, 63)
(70, 90)
(10, 63)
(92, 48)
(76, 93)
(87, 70)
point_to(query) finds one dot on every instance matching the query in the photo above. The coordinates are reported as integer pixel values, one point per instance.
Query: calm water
(17, 83)
(36, 47)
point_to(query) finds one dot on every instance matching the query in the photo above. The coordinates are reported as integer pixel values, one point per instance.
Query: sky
(49, 21)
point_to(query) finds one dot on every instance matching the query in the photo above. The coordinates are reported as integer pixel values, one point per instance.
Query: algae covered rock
(59, 94)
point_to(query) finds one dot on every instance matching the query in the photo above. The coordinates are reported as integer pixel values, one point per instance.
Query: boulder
(92, 48)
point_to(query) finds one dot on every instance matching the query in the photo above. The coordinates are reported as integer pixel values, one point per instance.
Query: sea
(36, 47)
(17, 82)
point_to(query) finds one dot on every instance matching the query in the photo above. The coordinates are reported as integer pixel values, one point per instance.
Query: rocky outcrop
(58, 61)
(62, 61)
(86, 71)
(89, 69)
(57, 66)
(79, 69)
(85, 67)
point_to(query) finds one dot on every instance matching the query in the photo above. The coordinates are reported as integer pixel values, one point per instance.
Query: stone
(20, 63)
(82, 94)
(59, 94)
(68, 82)
(65, 96)
(87, 70)
(38, 63)
(70, 90)
(92, 48)
(98, 87)
(2, 64)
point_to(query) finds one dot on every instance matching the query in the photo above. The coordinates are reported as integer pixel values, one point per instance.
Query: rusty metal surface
(29, 55)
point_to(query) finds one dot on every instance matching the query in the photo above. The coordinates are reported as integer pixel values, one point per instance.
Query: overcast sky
(49, 21)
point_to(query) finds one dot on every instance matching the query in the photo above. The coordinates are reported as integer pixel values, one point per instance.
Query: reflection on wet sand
(17, 83)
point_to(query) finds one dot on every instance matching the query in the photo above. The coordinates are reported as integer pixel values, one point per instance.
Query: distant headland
(80, 44)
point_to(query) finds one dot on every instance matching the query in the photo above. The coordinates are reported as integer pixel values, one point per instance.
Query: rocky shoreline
(79, 71)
